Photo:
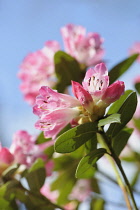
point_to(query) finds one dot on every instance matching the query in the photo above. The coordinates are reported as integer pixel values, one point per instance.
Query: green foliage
(121, 68)
(114, 118)
(9, 172)
(6, 203)
(120, 140)
(67, 69)
(114, 108)
(41, 139)
(97, 203)
(86, 167)
(75, 137)
(64, 182)
(126, 110)
(36, 175)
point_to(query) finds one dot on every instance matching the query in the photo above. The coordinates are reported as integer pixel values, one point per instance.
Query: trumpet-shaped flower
(87, 49)
(37, 69)
(92, 97)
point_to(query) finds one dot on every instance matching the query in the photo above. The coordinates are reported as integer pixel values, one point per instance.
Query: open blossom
(37, 69)
(6, 158)
(86, 48)
(135, 49)
(56, 110)
(25, 151)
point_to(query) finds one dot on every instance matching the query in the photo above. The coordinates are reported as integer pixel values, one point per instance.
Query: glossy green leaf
(75, 137)
(41, 139)
(120, 140)
(114, 108)
(36, 175)
(88, 162)
(137, 86)
(126, 110)
(67, 69)
(114, 118)
(121, 68)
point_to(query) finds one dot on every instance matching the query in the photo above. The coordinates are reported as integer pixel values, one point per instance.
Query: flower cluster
(92, 97)
(86, 48)
(25, 151)
(37, 69)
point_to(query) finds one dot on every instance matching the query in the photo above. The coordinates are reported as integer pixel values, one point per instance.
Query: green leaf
(114, 118)
(36, 175)
(126, 110)
(121, 68)
(62, 162)
(120, 140)
(41, 139)
(8, 173)
(88, 162)
(75, 137)
(67, 69)
(64, 183)
(97, 204)
(49, 151)
(91, 144)
(114, 108)
(137, 86)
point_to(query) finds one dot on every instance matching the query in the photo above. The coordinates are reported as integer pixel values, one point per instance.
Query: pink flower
(25, 150)
(37, 69)
(135, 49)
(6, 158)
(51, 195)
(87, 49)
(55, 110)
(81, 190)
(93, 96)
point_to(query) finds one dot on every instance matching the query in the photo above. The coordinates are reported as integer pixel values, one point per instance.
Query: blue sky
(26, 25)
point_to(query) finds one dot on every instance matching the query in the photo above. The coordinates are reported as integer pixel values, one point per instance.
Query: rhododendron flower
(56, 110)
(135, 49)
(25, 150)
(6, 158)
(87, 49)
(37, 69)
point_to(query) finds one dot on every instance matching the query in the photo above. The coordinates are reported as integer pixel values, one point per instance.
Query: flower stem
(125, 187)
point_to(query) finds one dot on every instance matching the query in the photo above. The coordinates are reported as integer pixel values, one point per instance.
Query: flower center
(95, 84)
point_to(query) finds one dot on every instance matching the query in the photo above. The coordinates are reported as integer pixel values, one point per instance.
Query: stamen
(101, 82)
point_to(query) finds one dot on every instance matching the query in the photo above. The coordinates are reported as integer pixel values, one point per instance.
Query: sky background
(26, 25)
